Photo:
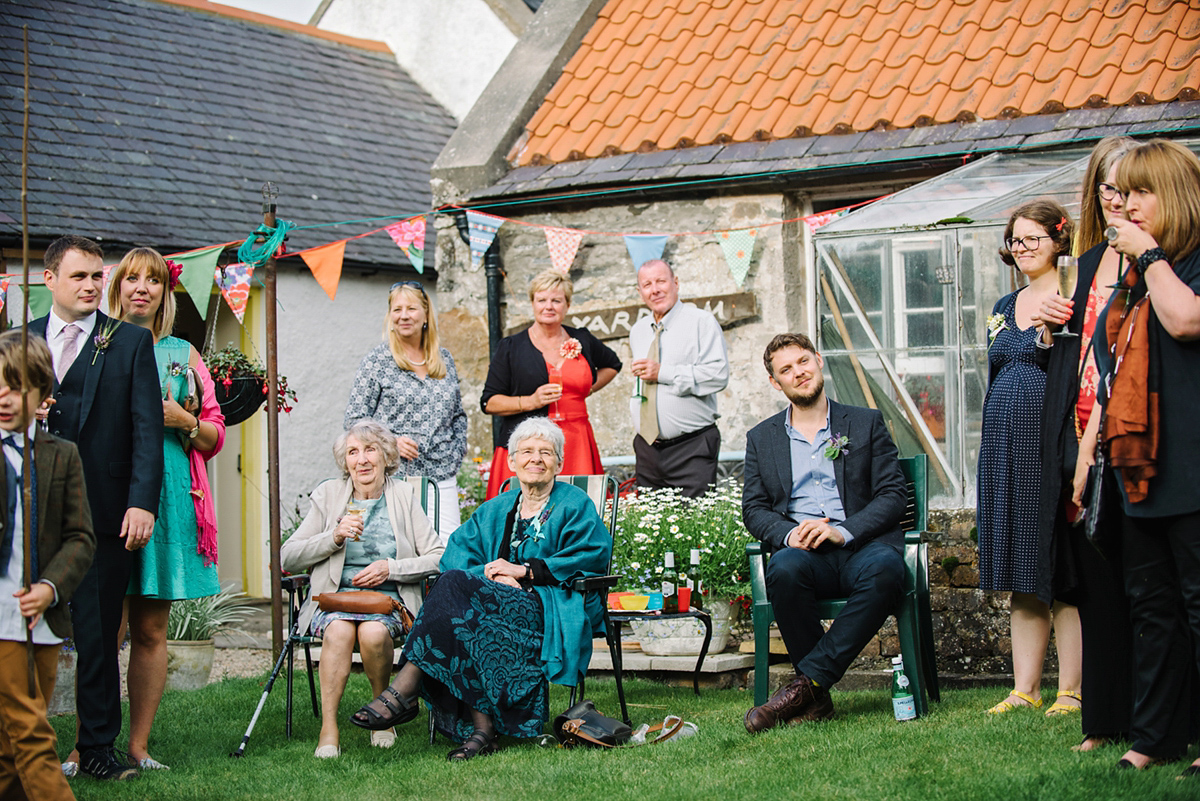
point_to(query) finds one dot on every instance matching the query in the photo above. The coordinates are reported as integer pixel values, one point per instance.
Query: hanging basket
(241, 399)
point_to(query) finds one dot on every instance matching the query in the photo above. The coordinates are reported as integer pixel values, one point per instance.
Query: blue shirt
(814, 483)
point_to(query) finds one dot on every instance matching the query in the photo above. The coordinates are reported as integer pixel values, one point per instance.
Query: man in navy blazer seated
(824, 492)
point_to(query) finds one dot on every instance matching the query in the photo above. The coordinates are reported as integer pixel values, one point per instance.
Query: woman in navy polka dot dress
(1010, 461)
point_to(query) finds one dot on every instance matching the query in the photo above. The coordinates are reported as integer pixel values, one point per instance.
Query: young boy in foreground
(64, 544)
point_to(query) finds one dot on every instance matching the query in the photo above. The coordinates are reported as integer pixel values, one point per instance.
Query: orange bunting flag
(325, 263)
(563, 244)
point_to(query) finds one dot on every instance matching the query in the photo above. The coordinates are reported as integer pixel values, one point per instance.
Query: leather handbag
(364, 602)
(1096, 504)
(582, 724)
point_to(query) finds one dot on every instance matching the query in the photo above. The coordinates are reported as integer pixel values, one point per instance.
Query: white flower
(674, 529)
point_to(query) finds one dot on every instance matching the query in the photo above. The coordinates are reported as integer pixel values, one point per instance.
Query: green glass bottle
(670, 585)
(903, 703)
(694, 579)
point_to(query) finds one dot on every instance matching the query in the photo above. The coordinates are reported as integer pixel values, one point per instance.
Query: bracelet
(528, 572)
(1149, 257)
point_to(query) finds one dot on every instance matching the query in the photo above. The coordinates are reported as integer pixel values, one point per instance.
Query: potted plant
(191, 627)
(653, 522)
(241, 384)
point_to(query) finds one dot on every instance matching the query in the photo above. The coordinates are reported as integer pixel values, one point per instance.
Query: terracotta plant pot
(189, 663)
(241, 399)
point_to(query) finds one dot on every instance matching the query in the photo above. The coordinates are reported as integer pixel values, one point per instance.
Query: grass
(957, 754)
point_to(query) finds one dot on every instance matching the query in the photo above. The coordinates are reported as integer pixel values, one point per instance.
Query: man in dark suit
(107, 401)
(823, 490)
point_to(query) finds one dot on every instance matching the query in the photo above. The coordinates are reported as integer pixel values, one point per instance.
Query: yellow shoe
(1058, 708)
(1007, 705)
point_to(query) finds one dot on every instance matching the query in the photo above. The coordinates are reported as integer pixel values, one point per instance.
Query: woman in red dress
(548, 370)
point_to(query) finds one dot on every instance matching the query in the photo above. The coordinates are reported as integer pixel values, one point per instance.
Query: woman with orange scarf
(1149, 361)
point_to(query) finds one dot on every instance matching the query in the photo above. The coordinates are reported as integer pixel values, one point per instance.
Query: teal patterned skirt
(479, 644)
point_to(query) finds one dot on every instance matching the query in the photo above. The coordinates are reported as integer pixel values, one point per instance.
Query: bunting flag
(738, 247)
(815, 221)
(482, 228)
(197, 275)
(645, 247)
(325, 263)
(3, 293)
(234, 283)
(40, 301)
(409, 236)
(563, 244)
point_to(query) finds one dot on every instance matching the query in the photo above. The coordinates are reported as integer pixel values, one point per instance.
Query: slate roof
(157, 124)
(677, 74)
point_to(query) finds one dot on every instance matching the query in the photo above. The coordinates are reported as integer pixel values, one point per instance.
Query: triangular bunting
(3, 293)
(816, 221)
(482, 230)
(409, 235)
(738, 246)
(234, 283)
(563, 243)
(645, 247)
(197, 276)
(325, 263)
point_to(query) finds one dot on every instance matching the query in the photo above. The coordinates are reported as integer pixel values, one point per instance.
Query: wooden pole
(26, 472)
(269, 274)
(845, 332)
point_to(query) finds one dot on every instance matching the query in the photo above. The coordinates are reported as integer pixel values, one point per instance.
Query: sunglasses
(411, 284)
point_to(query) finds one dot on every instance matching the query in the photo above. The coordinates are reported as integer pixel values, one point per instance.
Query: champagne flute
(1068, 276)
(555, 375)
(353, 508)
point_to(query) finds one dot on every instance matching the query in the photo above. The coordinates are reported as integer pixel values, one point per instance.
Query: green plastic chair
(914, 619)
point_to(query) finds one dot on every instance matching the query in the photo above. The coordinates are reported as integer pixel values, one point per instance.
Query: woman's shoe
(478, 744)
(400, 710)
(383, 739)
(327, 752)
(1007, 705)
(1189, 771)
(1059, 708)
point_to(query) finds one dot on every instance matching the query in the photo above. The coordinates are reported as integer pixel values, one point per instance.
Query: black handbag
(1097, 502)
(583, 725)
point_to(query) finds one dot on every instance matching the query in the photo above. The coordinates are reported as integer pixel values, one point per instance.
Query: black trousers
(1162, 580)
(689, 463)
(872, 581)
(96, 620)
(1107, 639)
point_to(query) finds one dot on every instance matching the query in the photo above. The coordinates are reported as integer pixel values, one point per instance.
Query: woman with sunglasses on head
(548, 370)
(1149, 360)
(409, 383)
(1010, 463)
(1070, 565)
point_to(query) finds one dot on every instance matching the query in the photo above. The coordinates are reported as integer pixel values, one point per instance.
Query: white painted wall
(452, 48)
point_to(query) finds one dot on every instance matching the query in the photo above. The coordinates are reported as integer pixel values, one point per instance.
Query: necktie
(70, 348)
(12, 478)
(648, 425)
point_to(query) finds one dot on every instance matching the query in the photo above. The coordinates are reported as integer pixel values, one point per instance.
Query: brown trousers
(29, 766)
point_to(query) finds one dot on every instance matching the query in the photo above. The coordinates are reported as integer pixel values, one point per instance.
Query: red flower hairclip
(1060, 225)
(174, 272)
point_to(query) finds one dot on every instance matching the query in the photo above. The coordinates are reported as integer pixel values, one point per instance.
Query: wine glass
(555, 374)
(353, 508)
(1068, 276)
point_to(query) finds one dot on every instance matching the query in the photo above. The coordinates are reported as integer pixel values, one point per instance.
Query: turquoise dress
(170, 567)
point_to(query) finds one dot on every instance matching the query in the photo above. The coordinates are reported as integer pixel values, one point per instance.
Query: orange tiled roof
(679, 73)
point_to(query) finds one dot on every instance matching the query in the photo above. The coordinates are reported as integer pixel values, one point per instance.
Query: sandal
(1091, 742)
(478, 744)
(400, 710)
(1007, 705)
(1059, 708)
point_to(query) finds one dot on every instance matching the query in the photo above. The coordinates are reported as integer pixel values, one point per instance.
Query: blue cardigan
(576, 544)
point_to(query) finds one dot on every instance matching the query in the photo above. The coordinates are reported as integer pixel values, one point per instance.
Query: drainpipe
(494, 273)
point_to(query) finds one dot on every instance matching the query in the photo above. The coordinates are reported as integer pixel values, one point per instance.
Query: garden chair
(297, 588)
(914, 619)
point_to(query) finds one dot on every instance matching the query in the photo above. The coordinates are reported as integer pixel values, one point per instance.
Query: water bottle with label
(903, 703)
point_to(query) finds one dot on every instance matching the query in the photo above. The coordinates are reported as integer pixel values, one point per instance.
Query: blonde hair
(548, 280)
(430, 348)
(1172, 173)
(150, 262)
(1107, 152)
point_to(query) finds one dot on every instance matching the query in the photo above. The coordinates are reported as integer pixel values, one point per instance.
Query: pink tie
(70, 337)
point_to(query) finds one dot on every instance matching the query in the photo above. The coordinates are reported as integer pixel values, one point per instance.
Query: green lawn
(957, 754)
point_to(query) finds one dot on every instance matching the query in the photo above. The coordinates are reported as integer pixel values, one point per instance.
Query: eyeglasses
(412, 284)
(1108, 191)
(545, 453)
(1025, 242)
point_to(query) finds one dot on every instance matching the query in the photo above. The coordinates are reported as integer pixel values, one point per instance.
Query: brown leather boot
(799, 699)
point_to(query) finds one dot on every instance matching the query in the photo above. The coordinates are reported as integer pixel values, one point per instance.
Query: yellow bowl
(634, 602)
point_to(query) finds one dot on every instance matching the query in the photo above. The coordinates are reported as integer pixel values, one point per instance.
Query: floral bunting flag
(325, 263)
(3, 293)
(816, 221)
(483, 228)
(645, 247)
(409, 236)
(738, 247)
(197, 275)
(234, 282)
(563, 244)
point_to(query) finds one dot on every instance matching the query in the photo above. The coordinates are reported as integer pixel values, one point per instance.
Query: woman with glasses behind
(1010, 462)
(409, 384)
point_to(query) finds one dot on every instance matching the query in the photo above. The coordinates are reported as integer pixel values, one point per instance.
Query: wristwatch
(193, 433)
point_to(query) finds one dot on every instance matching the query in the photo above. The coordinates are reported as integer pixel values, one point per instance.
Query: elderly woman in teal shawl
(502, 621)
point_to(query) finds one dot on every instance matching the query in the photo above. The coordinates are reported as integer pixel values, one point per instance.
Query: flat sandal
(480, 743)
(402, 711)
(1007, 705)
